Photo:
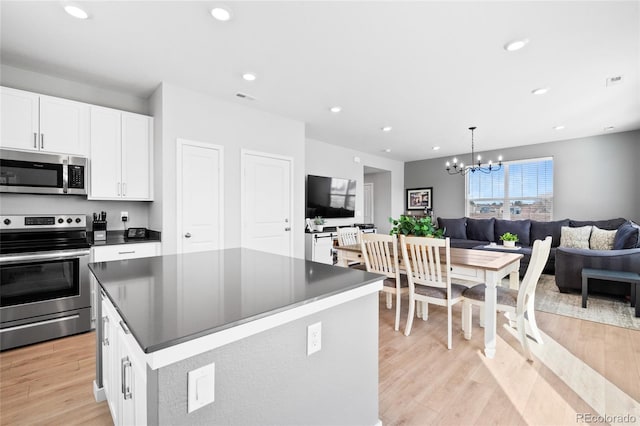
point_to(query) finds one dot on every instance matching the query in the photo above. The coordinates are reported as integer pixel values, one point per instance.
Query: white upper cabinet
(34, 122)
(121, 155)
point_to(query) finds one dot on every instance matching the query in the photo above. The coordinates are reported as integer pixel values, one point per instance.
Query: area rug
(601, 309)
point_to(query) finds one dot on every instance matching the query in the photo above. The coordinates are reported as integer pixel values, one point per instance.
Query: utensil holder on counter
(99, 230)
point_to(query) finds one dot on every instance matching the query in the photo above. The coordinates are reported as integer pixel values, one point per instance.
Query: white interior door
(199, 196)
(267, 203)
(368, 203)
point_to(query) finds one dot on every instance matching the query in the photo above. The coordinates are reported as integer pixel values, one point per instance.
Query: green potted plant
(508, 239)
(319, 222)
(419, 227)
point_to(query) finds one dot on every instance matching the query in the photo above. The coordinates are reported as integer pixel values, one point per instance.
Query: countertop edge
(180, 351)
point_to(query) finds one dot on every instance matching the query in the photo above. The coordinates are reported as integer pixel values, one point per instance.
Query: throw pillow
(519, 227)
(480, 229)
(575, 237)
(454, 228)
(627, 237)
(601, 239)
(540, 230)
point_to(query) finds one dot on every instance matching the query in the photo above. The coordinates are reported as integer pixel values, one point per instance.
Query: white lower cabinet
(123, 370)
(319, 247)
(118, 252)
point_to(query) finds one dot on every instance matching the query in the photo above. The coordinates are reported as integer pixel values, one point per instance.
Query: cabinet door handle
(105, 338)
(41, 140)
(127, 252)
(118, 186)
(287, 228)
(124, 189)
(35, 140)
(125, 365)
(187, 235)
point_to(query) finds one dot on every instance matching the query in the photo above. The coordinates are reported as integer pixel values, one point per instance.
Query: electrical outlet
(314, 338)
(124, 216)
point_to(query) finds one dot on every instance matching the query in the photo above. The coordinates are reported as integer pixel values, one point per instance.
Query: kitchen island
(224, 337)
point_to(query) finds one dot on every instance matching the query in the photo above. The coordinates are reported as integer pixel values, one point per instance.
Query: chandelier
(461, 169)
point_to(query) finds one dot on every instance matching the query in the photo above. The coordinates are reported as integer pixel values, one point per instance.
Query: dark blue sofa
(565, 263)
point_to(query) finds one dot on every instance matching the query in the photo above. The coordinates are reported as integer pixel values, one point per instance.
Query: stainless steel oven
(44, 278)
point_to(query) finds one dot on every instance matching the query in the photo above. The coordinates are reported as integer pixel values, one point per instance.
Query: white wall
(195, 116)
(325, 159)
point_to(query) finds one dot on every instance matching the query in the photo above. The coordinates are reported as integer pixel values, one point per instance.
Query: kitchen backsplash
(68, 204)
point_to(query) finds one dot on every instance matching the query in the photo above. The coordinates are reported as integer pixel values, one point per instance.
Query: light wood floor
(421, 382)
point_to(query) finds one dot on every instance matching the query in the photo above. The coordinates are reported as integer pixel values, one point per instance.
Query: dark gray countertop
(117, 237)
(171, 299)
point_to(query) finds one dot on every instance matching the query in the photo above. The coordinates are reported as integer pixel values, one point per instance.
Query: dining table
(475, 266)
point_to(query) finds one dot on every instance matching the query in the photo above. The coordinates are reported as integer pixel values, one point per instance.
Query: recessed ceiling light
(336, 109)
(75, 11)
(540, 91)
(435, 148)
(608, 128)
(221, 13)
(514, 45)
(558, 127)
(249, 76)
(386, 128)
(387, 150)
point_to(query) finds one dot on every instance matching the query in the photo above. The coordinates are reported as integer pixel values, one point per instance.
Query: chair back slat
(423, 261)
(348, 236)
(380, 253)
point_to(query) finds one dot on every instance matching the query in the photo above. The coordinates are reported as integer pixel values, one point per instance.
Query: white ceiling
(429, 69)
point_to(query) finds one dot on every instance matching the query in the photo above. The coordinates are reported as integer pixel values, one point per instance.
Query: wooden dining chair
(380, 254)
(428, 274)
(518, 302)
(348, 236)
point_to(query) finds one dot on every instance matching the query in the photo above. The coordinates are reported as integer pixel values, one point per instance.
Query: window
(520, 190)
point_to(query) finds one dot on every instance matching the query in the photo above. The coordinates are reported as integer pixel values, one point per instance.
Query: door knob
(187, 235)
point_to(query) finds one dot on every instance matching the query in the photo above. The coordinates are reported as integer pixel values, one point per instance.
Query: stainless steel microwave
(38, 173)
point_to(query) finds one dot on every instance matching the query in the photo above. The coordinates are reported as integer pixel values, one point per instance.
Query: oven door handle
(44, 256)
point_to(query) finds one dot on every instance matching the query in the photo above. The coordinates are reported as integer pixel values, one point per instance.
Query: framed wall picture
(420, 198)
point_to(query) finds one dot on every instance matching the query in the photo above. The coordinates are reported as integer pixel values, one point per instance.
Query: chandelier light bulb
(455, 160)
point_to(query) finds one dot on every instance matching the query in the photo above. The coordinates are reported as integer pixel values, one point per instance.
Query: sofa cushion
(519, 227)
(480, 229)
(627, 237)
(601, 239)
(540, 230)
(575, 237)
(454, 228)
(609, 224)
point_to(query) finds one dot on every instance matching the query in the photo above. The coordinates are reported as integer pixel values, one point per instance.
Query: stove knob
(78, 220)
(69, 220)
(61, 220)
(7, 221)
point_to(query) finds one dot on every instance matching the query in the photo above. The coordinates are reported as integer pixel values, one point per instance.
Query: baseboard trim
(98, 393)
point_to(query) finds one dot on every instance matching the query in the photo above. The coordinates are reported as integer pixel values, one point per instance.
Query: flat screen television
(330, 197)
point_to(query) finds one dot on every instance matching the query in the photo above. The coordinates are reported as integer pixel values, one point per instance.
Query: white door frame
(243, 165)
(180, 142)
